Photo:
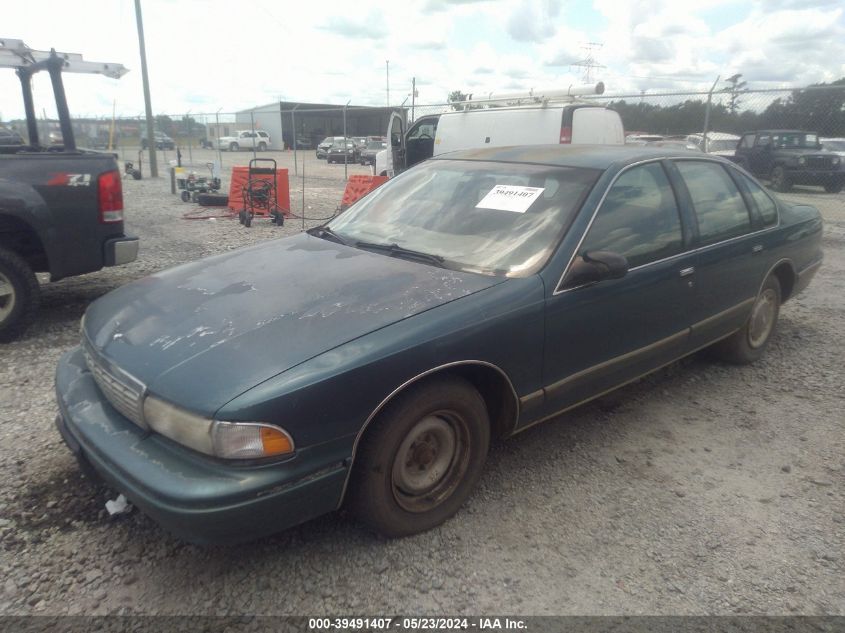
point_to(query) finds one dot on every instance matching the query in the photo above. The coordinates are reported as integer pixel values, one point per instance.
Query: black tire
(262, 147)
(833, 187)
(241, 216)
(247, 219)
(393, 487)
(186, 196)
(136, 174)
(780, 181)
(748, 343)
(212, 200)
(234, 147)
(144, 145)
(19, 295)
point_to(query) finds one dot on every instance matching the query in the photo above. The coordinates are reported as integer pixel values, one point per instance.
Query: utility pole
(387, 75)
(413, 95)
(589, 62)
(151, 141)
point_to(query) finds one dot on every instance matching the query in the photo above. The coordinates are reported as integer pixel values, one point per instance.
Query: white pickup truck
(245, 139)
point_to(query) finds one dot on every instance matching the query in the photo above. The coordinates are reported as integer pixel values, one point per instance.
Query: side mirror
(594, 266)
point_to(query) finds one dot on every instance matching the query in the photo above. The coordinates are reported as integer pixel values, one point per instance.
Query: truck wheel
(234, 147)
(749, 342)
(186, 196)
(421, 458)
(19, 293)
(262, 147)
(833, 187)
(780, 181)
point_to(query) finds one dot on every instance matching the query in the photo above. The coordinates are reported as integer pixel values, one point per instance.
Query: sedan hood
(203, 333)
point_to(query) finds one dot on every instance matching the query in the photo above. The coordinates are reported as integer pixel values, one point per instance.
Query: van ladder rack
(27, 61)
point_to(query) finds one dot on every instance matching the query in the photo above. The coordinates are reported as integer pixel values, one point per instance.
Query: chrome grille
(124, 392)
(820, 162)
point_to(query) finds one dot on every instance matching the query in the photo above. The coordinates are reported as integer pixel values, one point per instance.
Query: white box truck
(500, 120)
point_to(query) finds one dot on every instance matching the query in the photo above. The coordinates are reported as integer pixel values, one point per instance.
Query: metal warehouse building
(312, 121)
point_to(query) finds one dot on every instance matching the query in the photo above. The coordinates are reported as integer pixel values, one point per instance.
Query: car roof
(588, 156)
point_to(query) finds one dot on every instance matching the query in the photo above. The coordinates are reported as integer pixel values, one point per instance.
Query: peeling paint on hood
(202, 333)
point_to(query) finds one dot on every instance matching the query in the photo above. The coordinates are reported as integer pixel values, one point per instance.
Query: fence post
(707, 115)
(217, 136)
(345, 140)
(252, 124)
(293, 131)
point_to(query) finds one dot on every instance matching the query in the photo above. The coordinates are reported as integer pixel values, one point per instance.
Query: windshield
(341, 145)
(490, 218)
(795, 139)
(836, 146)
(376, 145)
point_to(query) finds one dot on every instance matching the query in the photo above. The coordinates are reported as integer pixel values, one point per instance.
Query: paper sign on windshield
(510, 198)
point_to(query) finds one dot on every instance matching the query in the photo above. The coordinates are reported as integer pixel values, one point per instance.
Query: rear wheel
(780, 181)
(749, 342)
(19, 293)
(262, 147)
(234, 147)
(421, 458)
(833, 187)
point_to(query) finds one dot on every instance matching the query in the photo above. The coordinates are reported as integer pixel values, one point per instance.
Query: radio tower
(589, 62)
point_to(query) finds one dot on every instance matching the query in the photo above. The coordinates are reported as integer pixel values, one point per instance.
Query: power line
(589, 62)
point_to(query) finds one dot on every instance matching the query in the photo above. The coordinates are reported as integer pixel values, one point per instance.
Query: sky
(205, 55)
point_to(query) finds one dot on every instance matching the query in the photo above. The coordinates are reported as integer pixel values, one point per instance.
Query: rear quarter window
(719, 207)
(766, 207)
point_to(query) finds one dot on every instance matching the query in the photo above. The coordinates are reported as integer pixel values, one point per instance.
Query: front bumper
(120, 250)
(815, 177)
(200, 499)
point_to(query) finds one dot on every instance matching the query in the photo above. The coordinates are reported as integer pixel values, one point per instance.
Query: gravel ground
(703, 489)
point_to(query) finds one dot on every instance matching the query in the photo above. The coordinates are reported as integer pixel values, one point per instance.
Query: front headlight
(228, 440)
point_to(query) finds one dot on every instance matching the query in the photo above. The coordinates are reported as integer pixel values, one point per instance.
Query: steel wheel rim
(431, 461)
(762, 318)
(7, 297)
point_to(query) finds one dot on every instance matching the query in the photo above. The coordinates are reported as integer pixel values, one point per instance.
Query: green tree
(455, 97)
(735, 87)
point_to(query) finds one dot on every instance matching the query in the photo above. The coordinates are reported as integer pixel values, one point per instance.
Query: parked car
(373, 147)
(476, 295)
(791, 157)
(162, 140)
(675, 144)
(718, 143)
(245, 139)
(572, 122)
(324, 146)
(10, 137)
(642, 139)
(342, 152)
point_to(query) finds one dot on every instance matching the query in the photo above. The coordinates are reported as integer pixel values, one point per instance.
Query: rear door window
(765, 205)
(638, 219)
(719, 207)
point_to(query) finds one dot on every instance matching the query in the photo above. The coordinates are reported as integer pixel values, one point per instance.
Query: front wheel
(833, 187)
(421, 458)
(748, 343)
(234, 147)
(19, 293)
(780, 181)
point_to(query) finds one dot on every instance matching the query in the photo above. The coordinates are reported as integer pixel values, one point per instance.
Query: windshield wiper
(326, 232)
(400, 251)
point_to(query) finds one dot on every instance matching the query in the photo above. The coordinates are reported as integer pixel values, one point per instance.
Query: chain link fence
(293, 131)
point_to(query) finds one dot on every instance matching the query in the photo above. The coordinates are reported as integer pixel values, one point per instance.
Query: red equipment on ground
(240, 178)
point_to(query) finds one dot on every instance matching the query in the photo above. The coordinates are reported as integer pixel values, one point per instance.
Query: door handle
(686, 272)
(757, 248)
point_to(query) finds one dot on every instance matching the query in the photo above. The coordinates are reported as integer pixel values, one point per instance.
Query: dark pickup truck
(790, 157)
(61, 208)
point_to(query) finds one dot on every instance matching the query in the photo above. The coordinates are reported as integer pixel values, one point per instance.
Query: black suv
(790, 157)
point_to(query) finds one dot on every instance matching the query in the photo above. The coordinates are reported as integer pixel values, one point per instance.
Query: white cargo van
(481, 124)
